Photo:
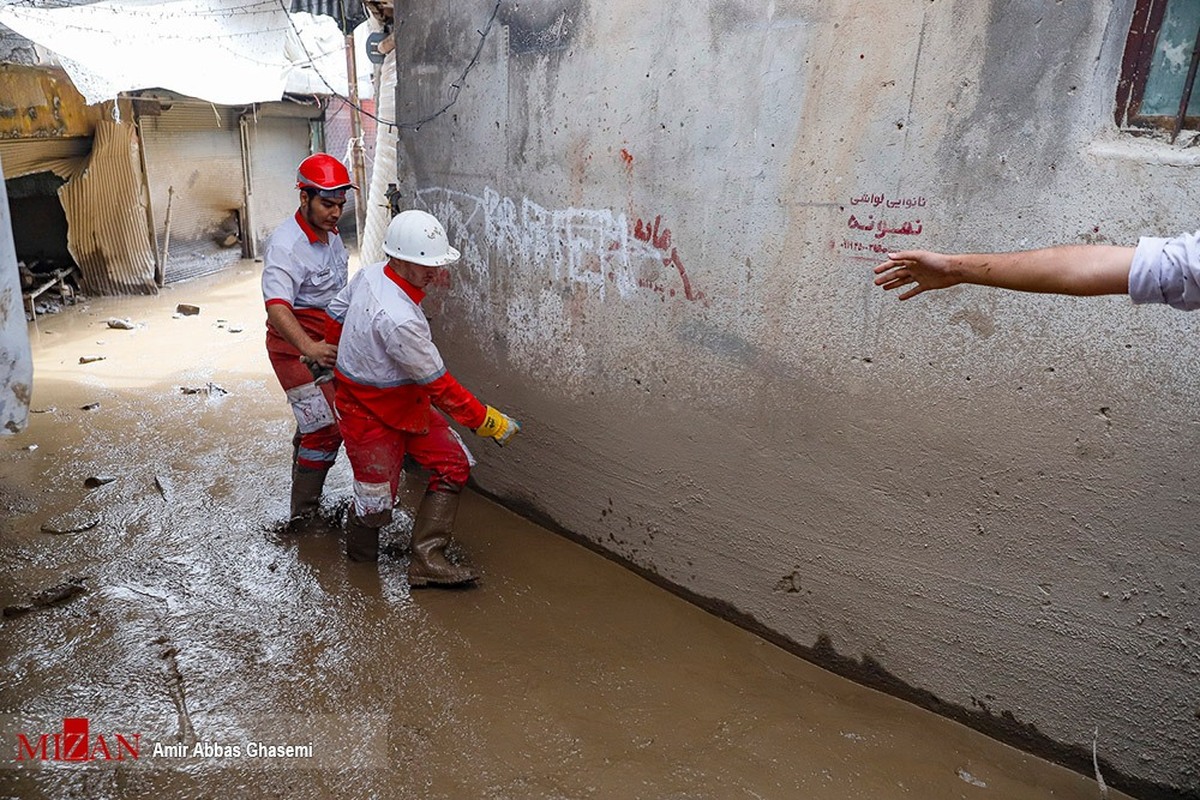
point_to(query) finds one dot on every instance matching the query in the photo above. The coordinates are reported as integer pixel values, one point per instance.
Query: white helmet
(418, 237)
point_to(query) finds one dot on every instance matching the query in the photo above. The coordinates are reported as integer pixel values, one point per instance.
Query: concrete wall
(16, 361)
(980, 501)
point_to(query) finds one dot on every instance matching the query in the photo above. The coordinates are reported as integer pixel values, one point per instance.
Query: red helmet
(323, 172)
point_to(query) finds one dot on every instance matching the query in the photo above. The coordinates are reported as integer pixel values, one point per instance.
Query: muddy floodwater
(236, 661)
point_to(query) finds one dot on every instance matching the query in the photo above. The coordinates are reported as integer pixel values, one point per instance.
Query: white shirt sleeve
(278, 282)
(1167, 271)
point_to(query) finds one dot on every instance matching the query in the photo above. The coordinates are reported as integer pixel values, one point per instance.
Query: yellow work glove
(499, 426)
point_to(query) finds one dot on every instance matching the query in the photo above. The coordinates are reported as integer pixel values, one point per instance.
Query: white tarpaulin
(318, 54)
(230, 52)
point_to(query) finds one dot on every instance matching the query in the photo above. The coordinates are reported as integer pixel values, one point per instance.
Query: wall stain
(541, 27)
(981, 324)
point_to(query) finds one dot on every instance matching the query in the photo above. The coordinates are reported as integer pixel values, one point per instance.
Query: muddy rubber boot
(431, 534)
(362, 540)
(307, 484)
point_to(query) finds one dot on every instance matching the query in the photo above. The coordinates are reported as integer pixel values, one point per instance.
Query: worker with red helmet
(304, 267)
(392, 389)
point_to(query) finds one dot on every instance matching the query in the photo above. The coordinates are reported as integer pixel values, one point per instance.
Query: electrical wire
(455, 87)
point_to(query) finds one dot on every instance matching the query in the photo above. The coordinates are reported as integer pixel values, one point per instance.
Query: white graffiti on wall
(593, 248)
(528, 273)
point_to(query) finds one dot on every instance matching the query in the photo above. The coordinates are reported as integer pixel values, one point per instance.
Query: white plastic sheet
(230, 52)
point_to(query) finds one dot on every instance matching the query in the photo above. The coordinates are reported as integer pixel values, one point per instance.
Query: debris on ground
(211, 389)
(46, 307)
(164, 487)
(46, 410)
(971, 779)
(90, 359)
(70, 523)
(98, 480)
(120, 323)
(187, 310)
(232, 327)
(31, 447)
(175, 686)
(54, 595)
(89, 407)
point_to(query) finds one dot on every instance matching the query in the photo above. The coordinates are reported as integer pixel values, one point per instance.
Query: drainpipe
(249, 240)
(356, 146)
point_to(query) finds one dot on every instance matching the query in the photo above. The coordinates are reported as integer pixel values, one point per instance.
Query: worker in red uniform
(390, 382)
(304, 267)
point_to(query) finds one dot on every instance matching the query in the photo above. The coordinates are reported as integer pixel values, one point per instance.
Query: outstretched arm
(1066, 269)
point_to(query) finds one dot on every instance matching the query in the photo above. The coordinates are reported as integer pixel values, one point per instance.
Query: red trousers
(318, 449)
(376, 452)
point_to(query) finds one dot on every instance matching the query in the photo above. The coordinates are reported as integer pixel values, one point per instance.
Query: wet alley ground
(560, 676)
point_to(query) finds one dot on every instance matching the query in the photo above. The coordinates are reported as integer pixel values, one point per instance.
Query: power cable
(455, 87)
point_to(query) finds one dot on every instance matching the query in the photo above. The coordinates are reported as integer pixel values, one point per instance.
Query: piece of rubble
(51, 596)
(70, 523)
(187, 310)
(46, 410)
(90, 359)
(93, 481)
(89, 407)
(236, 328)
(164, 487)
(31, 447)
(211, 389)
(120, 323)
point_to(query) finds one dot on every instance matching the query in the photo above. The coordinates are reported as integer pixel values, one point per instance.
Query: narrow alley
(562, 675)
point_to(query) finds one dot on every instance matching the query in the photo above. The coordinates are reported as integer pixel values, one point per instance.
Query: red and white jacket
(303, 273)
(387, 363)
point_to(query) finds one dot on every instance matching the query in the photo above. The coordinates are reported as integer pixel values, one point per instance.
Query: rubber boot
(362, 539)
(307, 484)
(431, 534)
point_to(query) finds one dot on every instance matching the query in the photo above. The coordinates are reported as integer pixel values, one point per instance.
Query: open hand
(925, 269)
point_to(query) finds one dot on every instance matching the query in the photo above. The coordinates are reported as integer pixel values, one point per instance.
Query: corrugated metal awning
(64, 157)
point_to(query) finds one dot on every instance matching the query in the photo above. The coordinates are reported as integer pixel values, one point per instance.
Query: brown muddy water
(561, 675)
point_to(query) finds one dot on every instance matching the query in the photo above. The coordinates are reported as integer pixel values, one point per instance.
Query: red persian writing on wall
(659, 237)
(875, 217)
